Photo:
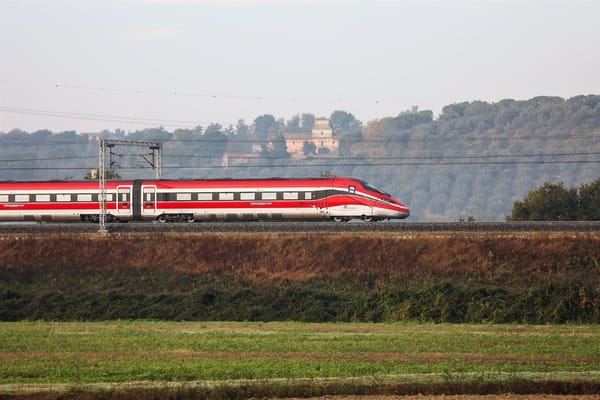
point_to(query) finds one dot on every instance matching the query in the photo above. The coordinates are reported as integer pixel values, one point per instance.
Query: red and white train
(338, 199)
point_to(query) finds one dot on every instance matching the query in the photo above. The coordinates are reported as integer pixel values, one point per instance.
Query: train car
(63, 201)
(338, 199)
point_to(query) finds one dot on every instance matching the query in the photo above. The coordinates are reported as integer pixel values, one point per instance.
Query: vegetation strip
(411, 379)
(536, 278)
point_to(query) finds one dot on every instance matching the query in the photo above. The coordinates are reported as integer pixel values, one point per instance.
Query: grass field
(62, 357)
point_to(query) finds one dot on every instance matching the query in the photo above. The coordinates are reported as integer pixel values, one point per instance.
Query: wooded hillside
(472, 161)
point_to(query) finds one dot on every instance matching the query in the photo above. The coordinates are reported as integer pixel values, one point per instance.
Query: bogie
(163, 218)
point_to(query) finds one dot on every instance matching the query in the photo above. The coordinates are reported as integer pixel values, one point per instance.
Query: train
(338, 199)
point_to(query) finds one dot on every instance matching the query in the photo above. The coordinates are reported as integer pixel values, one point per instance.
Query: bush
(123, 295)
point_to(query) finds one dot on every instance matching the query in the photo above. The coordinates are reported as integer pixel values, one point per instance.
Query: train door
(148, 200)
(123, 200)
(308, 203)
(357, 205)
(322, 203)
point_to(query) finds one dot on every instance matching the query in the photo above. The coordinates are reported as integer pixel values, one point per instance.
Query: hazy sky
(88, 65)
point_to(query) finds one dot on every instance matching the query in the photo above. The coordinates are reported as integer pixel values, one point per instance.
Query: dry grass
(266, 258)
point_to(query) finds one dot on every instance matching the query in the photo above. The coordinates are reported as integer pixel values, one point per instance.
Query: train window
(42, 197)
(109, 197)
(205, 196)
(352, 189)
(84, 197)
(269, 196)
(290, 195)
(225, 196)
(307, 195)
(374, 189)
(3, 198)
(21, 198)
(247, 196)
(184, 196)
(63, 197)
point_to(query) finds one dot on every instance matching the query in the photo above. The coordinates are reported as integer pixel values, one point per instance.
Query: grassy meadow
(67, 356)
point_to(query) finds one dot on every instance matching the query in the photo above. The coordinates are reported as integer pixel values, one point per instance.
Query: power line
(103, 118)
(50, 159)
(205, 95)
(430, 157)
(388, 141)
(354, 165)
(334, 160)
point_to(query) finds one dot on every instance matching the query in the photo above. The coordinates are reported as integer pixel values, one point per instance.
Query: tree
(239, 139)
(265, 126)
(213, 128)
(455, 110)
(275, 152)
(159, 134)
(551, 202)
(589, 201)
(309, 148)
(213, 142)
(323, 151)
(279, 148)
(293, 124)
(409, 119)
(344, 122)
(307, 122)
(347, 140)
(242, 128)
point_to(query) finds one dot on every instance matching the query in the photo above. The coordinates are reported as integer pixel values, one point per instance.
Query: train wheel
(338, 219)
(369, 219)
(162, 218)
(190, 218)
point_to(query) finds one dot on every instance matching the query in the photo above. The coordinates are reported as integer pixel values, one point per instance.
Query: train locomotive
(338, 199)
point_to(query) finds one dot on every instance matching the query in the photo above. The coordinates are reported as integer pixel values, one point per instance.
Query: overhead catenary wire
(394, 140)
(335, 160)
(211, 96)
(105, 118)
(385, 164)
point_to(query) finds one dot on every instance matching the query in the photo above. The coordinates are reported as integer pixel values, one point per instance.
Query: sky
(89, 65)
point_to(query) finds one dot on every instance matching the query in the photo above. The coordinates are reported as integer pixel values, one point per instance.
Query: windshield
(368, 186)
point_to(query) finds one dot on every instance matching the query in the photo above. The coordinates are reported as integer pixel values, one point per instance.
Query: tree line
(555, 202)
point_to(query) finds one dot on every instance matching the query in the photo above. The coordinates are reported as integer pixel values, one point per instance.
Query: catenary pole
(155, 162)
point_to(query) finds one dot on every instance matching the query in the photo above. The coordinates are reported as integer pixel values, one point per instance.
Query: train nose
(403, 210)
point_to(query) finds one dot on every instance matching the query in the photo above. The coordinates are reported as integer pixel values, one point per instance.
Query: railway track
(300, 227)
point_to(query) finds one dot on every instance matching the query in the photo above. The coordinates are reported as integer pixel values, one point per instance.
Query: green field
(62, 357)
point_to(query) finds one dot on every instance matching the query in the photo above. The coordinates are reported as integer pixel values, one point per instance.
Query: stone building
(321, 136)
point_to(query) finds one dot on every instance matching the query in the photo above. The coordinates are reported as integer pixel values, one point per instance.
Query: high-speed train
(337, 198)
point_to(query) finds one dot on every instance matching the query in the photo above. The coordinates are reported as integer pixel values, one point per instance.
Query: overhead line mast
(155, 161)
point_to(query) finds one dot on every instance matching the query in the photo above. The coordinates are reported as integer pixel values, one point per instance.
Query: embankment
(449, 277)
